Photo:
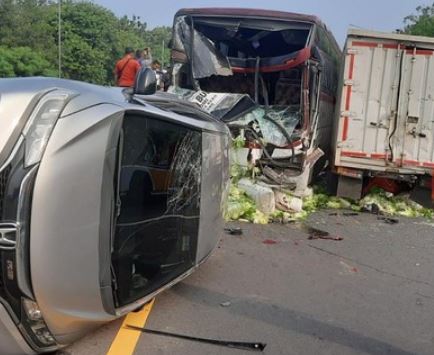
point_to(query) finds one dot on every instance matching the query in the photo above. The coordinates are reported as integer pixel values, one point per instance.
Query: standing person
(139, 56)
(126, 69)
(156, 67)
(147, 58)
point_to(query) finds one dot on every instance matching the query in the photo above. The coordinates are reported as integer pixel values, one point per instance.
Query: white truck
(385, 112)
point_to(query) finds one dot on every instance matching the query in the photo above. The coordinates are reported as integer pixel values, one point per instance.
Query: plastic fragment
(234, 231)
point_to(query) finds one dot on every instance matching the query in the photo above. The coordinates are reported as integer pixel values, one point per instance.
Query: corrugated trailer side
(385, 120)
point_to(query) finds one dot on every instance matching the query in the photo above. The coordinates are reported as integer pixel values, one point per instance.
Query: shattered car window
(159, 191)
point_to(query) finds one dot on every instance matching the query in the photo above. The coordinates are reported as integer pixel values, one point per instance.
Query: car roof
(91, 95)
(245, 12)
(35, 85)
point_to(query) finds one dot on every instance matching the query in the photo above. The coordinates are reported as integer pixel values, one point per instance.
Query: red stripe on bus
(302, 56)
(428, 165)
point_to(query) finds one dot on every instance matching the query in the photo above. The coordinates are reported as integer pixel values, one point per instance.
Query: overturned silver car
(105, 200)
(271, 76)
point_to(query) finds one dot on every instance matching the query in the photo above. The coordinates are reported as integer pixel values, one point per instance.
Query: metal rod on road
(229, 344)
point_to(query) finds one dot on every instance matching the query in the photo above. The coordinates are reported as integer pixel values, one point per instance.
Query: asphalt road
(370, 293)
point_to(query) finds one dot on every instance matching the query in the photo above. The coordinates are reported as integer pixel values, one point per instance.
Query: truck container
(385, 111)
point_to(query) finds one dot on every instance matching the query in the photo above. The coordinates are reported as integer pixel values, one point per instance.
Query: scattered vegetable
(241, 207)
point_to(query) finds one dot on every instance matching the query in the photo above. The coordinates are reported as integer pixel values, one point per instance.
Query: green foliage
(93, 39)
(22, 61)
(155, 39)
(421, 23)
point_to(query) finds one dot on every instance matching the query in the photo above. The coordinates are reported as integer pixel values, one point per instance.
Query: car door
(157, 222)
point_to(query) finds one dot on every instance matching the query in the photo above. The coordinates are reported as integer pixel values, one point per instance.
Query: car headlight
(41, 123)
(35, 323)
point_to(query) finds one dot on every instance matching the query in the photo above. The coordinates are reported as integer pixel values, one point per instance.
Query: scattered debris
(345, 214)
(289, 208)
(348, 269)
(382, 202)
(287, 203)
(326, 237)
(269, 242)
(388, 220)
(229, 344)
(349, 214)
(226, 304)
(315, 233)
(234, 231)
(336, 238)
(242, 207)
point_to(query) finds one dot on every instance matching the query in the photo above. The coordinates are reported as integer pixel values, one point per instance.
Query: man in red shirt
(126, 69)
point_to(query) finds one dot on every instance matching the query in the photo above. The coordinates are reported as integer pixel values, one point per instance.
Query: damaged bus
(270, 76)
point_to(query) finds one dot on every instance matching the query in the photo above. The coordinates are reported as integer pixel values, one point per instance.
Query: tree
(93, 38)
(23, 61)
(155, 39)
(89, 38)
(421, 23)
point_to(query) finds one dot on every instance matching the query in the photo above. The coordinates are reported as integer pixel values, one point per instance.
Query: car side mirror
(146, 82)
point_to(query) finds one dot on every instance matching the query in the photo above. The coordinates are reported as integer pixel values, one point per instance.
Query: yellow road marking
(126, 339)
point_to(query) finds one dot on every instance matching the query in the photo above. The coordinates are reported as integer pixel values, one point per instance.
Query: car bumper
(11, 340)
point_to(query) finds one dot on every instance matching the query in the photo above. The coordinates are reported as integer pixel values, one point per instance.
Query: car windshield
(159, 194)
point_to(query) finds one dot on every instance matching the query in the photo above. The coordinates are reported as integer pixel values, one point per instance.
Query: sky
(338, 15)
